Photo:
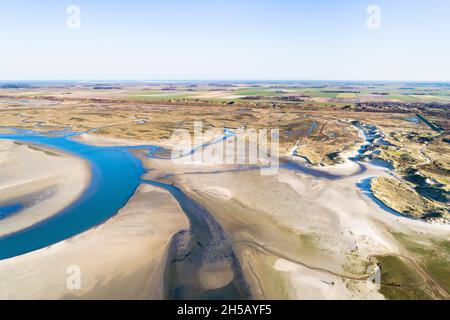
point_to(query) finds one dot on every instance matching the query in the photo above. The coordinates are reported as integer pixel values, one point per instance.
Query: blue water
(116, 175)
(9, 210)
(364, 185)
(381, 163)
(412, 119)
(311, 129)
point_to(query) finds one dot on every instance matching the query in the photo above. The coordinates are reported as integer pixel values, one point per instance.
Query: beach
(42, 180)
(124, 258)
(305, 232)
(298, 236)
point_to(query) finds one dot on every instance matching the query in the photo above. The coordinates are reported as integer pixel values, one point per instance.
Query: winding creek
(115, 175)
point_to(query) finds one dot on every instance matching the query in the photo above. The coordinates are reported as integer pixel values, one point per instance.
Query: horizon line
(218, 79)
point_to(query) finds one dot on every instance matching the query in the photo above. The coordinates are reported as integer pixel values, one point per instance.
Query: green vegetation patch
(437, 263)
(164, 96)
(400, 197)
(257, 92)
(401, 282)
(400, 97)
(434, 256)
(323, 94)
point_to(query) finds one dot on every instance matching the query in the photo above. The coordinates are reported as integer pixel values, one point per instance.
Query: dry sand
(124, 258)
(294, 233)
(98, 140)
(43, 179)
(306, 284)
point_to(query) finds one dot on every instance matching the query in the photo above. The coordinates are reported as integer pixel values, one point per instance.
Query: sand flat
(45, 180)
(318, 229)
(124, 258)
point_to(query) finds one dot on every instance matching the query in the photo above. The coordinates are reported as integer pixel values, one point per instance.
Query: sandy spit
(124, 258)
(45, 179)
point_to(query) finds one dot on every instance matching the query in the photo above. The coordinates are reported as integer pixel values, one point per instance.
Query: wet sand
(124, 258)
(296, 235)
(43, 180)
(293, 235)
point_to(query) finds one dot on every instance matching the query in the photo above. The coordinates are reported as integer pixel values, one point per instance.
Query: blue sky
(226, 39)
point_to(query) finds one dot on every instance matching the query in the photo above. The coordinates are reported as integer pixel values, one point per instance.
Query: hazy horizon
(133, 81)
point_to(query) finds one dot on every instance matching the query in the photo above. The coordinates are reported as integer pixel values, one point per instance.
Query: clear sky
(225, 39)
